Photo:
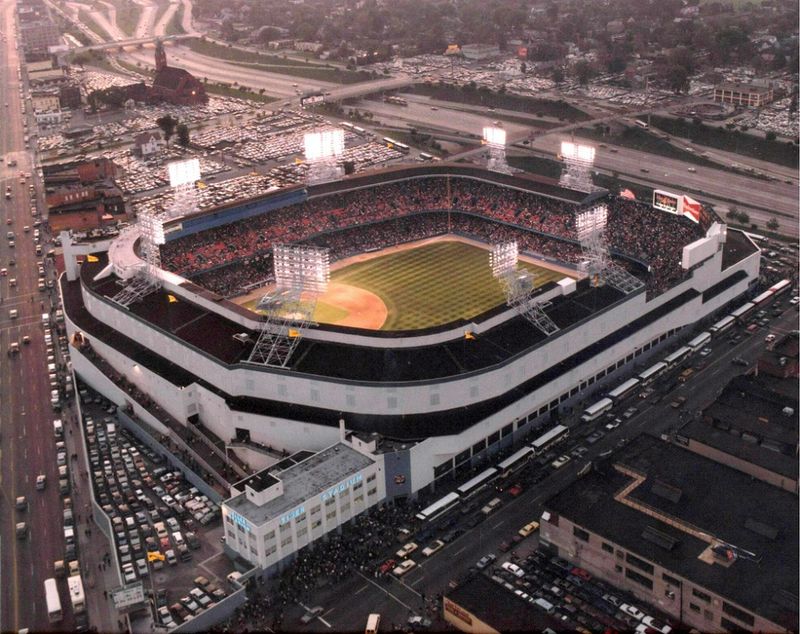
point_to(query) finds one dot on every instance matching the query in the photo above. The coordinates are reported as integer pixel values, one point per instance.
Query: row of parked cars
(575, 599)
(154, 512)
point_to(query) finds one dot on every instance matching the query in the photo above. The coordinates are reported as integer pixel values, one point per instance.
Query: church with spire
(174, 85)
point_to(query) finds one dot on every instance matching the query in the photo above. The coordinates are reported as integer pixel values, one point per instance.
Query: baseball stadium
(413, 344)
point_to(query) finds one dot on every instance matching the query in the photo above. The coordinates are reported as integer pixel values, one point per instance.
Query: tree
(558, 75)
(183, 134)
(772, 224)
(770, 135)
(523, 67)
(744, 217)
(167, 124)
(583, 72)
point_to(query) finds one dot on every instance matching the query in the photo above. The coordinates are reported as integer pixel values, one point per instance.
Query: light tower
(150, 226)
(182, 178)
(578, 163)
(322, 149)
(518, 286)
(495, 139)
(597, 263)
(301, 275)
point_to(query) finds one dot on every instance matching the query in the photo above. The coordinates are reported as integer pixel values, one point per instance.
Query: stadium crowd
(227, 258)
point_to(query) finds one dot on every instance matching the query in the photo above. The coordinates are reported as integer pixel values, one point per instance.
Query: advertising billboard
(667, 201)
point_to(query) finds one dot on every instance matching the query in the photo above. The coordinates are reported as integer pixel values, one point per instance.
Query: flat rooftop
(304, 480)
(713, 498)
(498, 607)
(747, 421)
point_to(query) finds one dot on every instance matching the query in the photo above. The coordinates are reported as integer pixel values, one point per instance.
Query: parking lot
(166, 532)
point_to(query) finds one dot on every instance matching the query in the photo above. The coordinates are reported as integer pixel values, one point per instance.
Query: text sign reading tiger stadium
(343, 486)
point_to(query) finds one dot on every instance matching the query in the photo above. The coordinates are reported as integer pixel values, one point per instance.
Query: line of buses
(501, 472)
(674, 359)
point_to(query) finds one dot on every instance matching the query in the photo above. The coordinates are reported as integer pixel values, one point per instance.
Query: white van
(178, 538)
(545, 605)
(58, 428)
(46, 319)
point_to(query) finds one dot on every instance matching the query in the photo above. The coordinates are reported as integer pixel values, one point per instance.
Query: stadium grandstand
(437, 400)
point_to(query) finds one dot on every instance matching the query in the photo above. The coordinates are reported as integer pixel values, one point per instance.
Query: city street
(397, 599)
(28, 446)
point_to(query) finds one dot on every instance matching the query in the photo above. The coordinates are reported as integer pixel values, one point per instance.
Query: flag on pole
(92, 258)
(469, 336)
(172, 299)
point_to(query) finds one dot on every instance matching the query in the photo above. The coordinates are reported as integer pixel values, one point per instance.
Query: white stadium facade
(423, 405)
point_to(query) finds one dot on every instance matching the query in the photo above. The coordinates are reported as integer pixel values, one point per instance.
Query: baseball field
(414, 286)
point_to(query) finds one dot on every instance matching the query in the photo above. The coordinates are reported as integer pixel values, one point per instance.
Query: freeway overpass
(120, 44)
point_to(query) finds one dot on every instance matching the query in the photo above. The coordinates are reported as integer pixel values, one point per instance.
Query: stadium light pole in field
(302, 274)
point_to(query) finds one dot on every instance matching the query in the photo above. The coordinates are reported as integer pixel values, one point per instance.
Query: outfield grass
(432, 284)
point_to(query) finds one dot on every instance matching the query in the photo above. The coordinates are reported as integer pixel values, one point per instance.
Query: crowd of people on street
(360, 548)
(229, 257)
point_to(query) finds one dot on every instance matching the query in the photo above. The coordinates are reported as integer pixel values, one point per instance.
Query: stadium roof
(714, 499)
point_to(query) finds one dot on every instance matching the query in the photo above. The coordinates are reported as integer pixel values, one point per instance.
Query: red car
(387, 566)
(515, 490)
(580, 572)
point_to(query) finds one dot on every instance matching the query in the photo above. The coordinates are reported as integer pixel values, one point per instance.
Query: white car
(794, 301)
(514, 569)
(655, 624)
(165, 616)
(406, 550)
(404, 567)
(128, 573)
(705, 352)
(560, 462)
(632, 610)
(432, 548)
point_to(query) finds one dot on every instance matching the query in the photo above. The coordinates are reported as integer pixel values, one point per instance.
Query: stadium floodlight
(324, 144)
(151, 226)
(503, 258)
(591, 222)
(301, 268)
(183, 172)
(576, 153)
(494, 136)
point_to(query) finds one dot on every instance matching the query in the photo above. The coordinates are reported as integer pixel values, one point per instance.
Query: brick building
(705, 543)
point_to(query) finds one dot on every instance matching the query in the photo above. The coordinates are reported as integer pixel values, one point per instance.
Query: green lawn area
(175, 25)
(86, 18)
(127, 15)
(780, 152)
(277, 64)
(433, 284)
(506, 101)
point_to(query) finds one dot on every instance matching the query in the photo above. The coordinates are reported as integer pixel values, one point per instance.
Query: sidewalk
(92, 544)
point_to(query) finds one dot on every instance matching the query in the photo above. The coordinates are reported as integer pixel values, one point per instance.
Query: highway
(27, 445)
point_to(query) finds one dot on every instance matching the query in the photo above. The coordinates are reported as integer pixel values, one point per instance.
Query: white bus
(550, 438)
(593, 412)
(514, 462)
(699, 341)
(722, 325)
(743, 311)
(652, 373)
(780, 287)
(373, 622)
(642, 124)
(76, 595)
(676, 357)
(478, 483)
(53, 600)
(623, 390)
(439, 507)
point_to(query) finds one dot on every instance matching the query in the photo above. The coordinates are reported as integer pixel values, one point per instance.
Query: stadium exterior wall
(293, 435)
(412, 397)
